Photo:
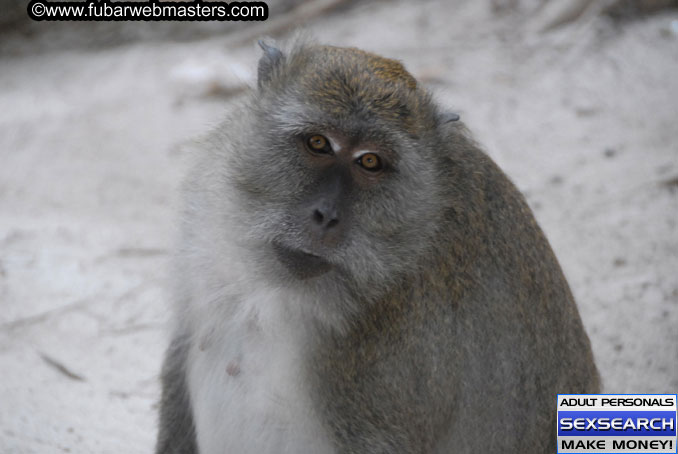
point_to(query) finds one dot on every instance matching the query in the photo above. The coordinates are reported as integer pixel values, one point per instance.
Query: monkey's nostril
(324, 220)
(318, 216)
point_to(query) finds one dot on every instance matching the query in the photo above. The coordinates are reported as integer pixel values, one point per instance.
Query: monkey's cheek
(300, 264)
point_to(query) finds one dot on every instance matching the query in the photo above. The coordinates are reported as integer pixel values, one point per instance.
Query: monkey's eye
(370, 161)
(319, 144)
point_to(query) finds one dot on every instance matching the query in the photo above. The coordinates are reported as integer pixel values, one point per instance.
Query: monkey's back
(468, 351)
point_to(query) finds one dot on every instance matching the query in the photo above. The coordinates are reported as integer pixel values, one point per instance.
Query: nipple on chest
(233, 368)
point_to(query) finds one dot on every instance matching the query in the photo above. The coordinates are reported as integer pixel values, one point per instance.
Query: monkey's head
(341, 167)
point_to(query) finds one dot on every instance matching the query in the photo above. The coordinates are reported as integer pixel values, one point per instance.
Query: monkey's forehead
(343, 81)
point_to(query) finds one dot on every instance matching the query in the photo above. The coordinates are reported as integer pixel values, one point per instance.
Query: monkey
(355, 275)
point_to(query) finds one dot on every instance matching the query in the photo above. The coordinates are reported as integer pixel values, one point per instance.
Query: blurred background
(577, 100)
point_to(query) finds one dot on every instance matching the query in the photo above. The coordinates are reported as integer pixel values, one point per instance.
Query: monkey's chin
(302, 265)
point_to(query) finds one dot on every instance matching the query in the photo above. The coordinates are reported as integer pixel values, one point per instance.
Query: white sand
(584, 119)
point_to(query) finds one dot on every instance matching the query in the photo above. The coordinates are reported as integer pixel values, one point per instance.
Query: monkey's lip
(303, 264)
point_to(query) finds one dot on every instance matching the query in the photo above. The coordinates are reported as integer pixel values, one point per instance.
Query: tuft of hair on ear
(268, 63)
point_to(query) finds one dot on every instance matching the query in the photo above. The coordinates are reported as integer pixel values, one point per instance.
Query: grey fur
(177, 433)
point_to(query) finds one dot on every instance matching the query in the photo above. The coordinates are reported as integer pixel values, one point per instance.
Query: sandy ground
(93, 147)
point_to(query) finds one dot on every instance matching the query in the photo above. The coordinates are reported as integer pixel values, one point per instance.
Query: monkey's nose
(325, 217)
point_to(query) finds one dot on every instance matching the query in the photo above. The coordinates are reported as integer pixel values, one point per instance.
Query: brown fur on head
(386, 69)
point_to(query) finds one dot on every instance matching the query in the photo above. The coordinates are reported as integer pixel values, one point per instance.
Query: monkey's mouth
(302, 264)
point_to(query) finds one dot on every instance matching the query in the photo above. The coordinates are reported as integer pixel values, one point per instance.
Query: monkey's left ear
(447, 117)
(268, 62)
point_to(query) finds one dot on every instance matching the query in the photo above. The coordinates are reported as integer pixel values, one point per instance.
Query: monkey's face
(339, 174)
(353, 202)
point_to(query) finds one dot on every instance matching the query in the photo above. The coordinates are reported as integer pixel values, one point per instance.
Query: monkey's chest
(249, 394)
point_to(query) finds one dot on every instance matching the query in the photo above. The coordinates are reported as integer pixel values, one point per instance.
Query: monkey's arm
(176, 434)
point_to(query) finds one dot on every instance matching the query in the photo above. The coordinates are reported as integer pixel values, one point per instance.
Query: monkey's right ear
(272, 59)
(448, 117)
